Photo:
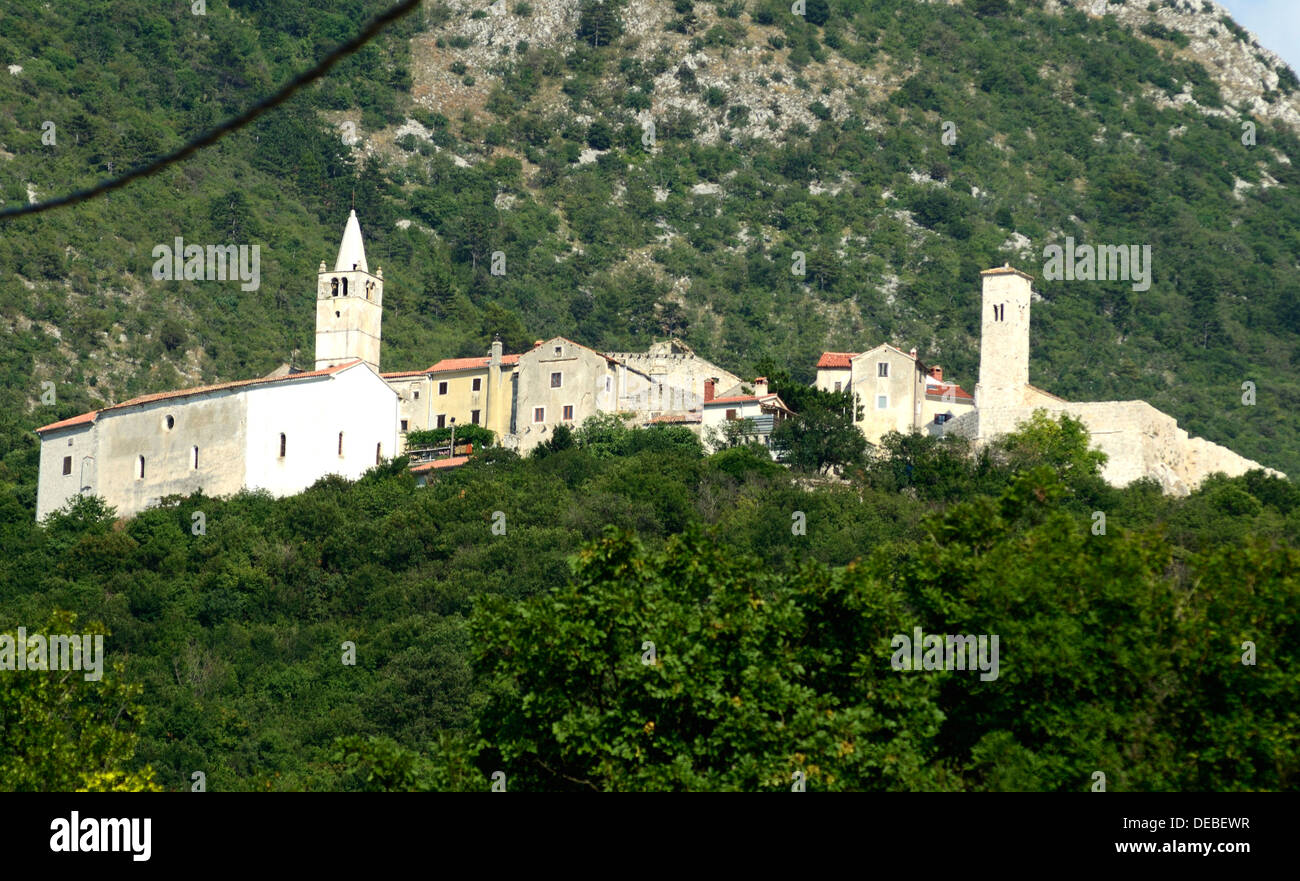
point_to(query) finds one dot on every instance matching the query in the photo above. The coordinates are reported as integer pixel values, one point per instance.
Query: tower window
(1000, 312)
(334, 287)
(139, 468)
(882, 369)
(336, 314)
(341, 440)
(67, 464)
(194, 458)
(345, 287)
(282, 444)
(478, 384)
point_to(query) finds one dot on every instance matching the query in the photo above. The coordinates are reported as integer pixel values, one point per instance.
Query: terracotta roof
(939, 389)
(68, 423)
(769, 399)
(675, 418)
(835, 359)
(401, 373)
(447, 364)
(197, 390)
(438, 464)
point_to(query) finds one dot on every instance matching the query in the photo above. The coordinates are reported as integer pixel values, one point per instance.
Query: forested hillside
(648, 618)
(653, 168)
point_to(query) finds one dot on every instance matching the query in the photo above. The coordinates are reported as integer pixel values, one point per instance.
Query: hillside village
(283, 432)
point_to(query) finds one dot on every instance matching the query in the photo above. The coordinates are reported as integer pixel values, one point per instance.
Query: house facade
(895, 390)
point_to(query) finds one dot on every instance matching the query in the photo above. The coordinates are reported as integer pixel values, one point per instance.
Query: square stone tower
(1004, 340)
(349, 305)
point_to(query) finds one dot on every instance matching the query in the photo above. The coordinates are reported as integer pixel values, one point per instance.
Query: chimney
(494, 358)
(913, 353)
(708, 389)
(760, 385)
(936, 372)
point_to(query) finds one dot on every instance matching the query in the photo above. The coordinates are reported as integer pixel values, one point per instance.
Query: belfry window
(345, 287)
(334, 286)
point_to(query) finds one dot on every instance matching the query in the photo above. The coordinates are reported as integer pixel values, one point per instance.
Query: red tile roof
(403, 373)
(197, 390)
(447, 364)
(939, 389)
(437, 464)
(835, 360)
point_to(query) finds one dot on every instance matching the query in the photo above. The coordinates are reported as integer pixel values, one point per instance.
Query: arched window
(139, 468)
(340, 443)
(334, 286)
(281, 445)
(195, 452)
(345, 287)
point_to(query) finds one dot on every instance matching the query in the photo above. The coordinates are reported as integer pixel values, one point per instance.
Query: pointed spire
(352, 253)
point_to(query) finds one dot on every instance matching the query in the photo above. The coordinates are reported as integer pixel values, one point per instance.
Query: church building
(280, 433)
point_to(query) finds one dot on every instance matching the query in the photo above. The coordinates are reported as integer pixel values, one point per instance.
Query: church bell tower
(349, 305)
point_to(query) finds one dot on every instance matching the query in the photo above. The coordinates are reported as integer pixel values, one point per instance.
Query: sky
(1275, 23)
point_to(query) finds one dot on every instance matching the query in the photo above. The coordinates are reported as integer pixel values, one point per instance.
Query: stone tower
(1004, 339)
(349, 305)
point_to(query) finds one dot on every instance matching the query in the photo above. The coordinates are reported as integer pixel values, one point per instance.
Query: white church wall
(54, 489)
(214, 423)
(311, 413)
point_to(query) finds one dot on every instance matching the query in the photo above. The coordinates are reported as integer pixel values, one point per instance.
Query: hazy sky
(1275, 23)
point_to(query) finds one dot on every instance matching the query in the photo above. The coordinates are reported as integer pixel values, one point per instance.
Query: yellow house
(895, 389)
(463, 391)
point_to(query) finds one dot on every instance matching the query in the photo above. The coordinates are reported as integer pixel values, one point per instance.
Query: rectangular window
(556, 380)
(539, 414)
(731, 415)
(568, 412)
(473, 417)
(442, 388)
(195, 450)
(403, 425)
(67, 464)
(417, 394)
(282, 445)
(882, 368)
(882, 402)
(442, 420)
(478, 384)
(559, 350)
(838, 385)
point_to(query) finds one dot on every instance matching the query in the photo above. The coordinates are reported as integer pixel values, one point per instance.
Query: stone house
(763, 408)
(895, 389)
(463, 391)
